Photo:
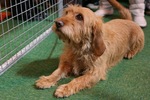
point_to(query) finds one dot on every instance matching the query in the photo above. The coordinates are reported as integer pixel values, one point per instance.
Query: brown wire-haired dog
(91, 47)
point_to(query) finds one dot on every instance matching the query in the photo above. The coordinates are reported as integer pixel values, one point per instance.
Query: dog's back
(126, 38)
(132, 31)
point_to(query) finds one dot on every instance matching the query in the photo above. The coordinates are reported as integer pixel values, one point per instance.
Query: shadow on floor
(38, 68)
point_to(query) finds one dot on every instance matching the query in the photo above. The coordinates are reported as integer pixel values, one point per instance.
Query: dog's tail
(124, 12)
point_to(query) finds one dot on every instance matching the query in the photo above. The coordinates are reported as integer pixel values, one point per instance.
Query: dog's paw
(129, 55)
(64, 91)
(44, 82)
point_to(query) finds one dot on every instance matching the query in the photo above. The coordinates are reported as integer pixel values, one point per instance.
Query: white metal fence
(24, 24)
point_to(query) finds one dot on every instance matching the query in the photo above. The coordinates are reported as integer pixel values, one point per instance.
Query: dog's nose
(59, 24)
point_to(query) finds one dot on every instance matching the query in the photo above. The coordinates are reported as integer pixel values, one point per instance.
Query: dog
(91, 47)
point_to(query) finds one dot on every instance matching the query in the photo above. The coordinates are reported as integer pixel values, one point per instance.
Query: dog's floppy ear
(98, 45)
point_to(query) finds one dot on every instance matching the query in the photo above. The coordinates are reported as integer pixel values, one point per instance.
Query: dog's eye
(79, 17)
(66, 12)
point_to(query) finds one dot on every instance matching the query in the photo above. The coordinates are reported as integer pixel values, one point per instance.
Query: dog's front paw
(44, 82)
(64, 91)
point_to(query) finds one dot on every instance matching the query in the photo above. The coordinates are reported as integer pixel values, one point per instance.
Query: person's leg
(137, 8)
(105, 8)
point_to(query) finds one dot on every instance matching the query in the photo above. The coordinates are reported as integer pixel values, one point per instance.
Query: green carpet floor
(129, 80)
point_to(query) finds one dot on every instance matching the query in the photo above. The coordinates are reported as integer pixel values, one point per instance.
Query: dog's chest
(83, 58)
(82, 63)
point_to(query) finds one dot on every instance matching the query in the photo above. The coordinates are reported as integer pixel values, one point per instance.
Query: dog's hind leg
(136, 45)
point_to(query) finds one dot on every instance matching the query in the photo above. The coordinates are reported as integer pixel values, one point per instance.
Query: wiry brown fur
(90, 48)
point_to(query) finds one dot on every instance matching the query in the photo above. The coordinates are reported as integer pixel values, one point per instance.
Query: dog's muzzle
(59, 24)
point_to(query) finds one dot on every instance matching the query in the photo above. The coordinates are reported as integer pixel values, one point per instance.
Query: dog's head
(79, 25)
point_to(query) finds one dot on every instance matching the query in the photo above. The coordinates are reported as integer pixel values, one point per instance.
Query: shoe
(140, 20)
(104, 11)
(93, 6)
